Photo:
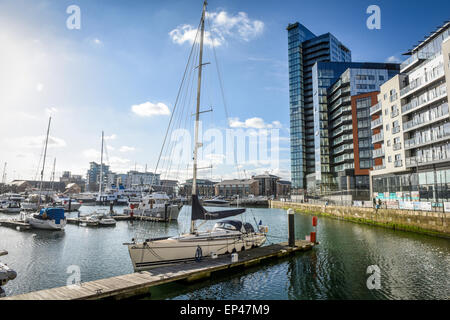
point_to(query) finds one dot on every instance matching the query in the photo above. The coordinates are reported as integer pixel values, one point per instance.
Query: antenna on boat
(197, 113)
(43, 163)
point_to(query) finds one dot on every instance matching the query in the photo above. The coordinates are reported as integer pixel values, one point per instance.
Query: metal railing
(375, 108)
(376, 123)
(377, 137)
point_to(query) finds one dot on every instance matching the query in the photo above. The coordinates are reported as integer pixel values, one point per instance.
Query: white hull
(158, 253)
(45, 224)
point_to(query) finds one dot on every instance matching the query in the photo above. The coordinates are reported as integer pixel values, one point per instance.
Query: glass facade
(305, 49)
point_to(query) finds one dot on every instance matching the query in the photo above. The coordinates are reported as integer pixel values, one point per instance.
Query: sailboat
(49, 218)
(227, 236)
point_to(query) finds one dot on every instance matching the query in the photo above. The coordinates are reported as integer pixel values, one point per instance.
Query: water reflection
(412, 266)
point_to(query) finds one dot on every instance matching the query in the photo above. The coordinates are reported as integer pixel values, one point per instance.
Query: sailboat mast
(197, 114)
(53, 173)
(101, 171)
(4, 174)
(43, 162)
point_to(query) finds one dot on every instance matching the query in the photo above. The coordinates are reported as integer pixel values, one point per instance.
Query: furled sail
(200, 213)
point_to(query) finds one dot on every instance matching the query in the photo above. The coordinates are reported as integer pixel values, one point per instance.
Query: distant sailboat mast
(101, 173)
(43, 164)
(197, 114)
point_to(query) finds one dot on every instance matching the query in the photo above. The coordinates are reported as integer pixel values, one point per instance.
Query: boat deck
(140, 283)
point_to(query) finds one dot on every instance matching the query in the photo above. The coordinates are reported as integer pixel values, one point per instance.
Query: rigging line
(222, 92)
(183, 103)
(175, 106)
(171, 146)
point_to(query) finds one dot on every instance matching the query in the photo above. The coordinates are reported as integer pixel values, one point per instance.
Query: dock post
(70, 204)
(111, 207)
(291, 227)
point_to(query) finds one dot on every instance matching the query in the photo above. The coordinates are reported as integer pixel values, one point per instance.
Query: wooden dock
(140, 283)
(11, 223)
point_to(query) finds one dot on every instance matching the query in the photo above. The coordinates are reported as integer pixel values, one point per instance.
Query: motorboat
(9, 206)
(51, 218)
(157, 205)
(91, 221)
(104, 218)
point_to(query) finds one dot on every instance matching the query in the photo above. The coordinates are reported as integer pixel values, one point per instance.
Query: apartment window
(389, 159)
(387, 127)
(386, 111)
(388, 143)
(381, 78)
(396, 140)
(385, 96)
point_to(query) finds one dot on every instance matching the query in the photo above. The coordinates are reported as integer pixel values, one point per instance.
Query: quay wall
(431, 223)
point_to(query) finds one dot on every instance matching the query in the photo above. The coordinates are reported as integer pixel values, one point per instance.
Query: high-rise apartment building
(342, 123)
(411, 126)
(305, 49)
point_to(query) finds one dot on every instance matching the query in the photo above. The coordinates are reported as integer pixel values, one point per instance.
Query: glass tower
(305, 49)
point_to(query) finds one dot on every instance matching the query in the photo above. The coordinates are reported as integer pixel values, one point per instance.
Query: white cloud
(91, 154)
(148, 109)
(126, 149)
(393, 59)
(256, 123)
(222, 25)
(111, 137)
(38, 142)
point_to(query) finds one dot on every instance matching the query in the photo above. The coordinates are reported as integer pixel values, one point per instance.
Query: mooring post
(291, 227)
(111, 207)
(70, 204)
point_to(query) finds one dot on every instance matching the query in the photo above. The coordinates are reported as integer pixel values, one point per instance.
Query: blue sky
(123, 55)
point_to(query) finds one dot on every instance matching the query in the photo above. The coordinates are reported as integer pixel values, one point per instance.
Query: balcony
(416, 143)
(412, 61)
(427, 118)
(394, 113)
(380, 167)
(393, 97)
(415, 105)
(375, 108)
(377, 137)
(397, 146)
(398, 163)
(377, 123)
(343, 148)
(426, 160)
(420, 82)
(395, 130)
(377, 153)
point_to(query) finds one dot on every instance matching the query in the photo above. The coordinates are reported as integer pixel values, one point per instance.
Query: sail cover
(200, 213)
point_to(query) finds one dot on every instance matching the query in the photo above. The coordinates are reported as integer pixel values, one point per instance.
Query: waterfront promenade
(431, 223)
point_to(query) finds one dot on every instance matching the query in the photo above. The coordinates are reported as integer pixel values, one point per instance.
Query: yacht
(156, 205)
(226, 237)
(9, 206)
(51, 218)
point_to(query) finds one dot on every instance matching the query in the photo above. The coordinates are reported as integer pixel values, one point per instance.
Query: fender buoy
(198, 254)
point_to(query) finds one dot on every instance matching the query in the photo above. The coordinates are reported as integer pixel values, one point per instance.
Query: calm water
(412, 266)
